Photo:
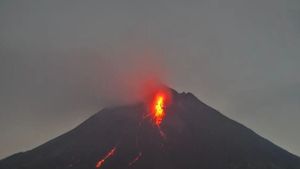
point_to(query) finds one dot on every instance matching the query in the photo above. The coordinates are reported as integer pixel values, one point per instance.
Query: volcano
(191, 135)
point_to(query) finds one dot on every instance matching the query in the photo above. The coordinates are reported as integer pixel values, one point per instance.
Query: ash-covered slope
(191, 136)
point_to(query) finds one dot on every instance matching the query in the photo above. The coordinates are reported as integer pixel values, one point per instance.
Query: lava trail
(159, 112)
(135, 159)
(109, 154)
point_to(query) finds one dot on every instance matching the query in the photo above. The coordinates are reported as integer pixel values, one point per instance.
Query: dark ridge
(192, 135)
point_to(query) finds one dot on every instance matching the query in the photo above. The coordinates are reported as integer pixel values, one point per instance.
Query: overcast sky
(62, 61)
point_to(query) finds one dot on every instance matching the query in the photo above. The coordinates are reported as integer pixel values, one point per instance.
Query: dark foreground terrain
(192, 136)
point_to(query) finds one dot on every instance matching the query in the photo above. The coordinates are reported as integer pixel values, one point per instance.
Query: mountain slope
(191, 136)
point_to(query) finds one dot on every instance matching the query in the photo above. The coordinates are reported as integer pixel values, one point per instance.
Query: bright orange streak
(109, 154)
(159, 112)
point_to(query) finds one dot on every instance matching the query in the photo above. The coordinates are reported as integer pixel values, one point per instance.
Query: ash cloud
(39, 87)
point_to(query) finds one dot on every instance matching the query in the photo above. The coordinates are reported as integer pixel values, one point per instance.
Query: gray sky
(62, 61)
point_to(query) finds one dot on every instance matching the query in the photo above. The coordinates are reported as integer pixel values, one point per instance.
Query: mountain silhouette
(192, 135)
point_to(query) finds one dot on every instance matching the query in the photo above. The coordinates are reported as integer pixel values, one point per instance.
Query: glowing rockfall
(109, 154)
(159, 112)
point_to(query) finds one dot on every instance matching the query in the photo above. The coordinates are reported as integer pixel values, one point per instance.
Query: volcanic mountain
(191, 135)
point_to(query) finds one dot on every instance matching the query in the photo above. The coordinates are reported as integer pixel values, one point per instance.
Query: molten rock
(168, 131)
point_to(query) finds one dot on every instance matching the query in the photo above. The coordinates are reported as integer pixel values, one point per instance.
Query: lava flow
(159, 113)
(158, 106)
(135, 159)
(109, 154)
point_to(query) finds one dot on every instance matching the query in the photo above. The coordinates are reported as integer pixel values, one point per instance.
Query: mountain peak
(188, 134)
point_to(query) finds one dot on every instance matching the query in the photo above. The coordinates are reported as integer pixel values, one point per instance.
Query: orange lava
(158, 106)
(159, 109)
(109, 154)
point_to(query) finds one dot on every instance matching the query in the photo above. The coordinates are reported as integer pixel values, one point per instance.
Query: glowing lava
(159, 109)
(158, 106)
(109, 154)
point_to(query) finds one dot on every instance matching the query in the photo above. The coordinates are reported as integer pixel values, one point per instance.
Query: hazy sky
(62, 61)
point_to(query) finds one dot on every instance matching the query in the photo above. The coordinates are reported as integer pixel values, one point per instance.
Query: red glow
(158, 106)
(109, 154)
(135, 159)
(159, 112)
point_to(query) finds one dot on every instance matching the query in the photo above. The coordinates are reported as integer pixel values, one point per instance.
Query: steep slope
(192, 135)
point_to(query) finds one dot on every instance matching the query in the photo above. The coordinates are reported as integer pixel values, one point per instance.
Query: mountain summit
(188, 135)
